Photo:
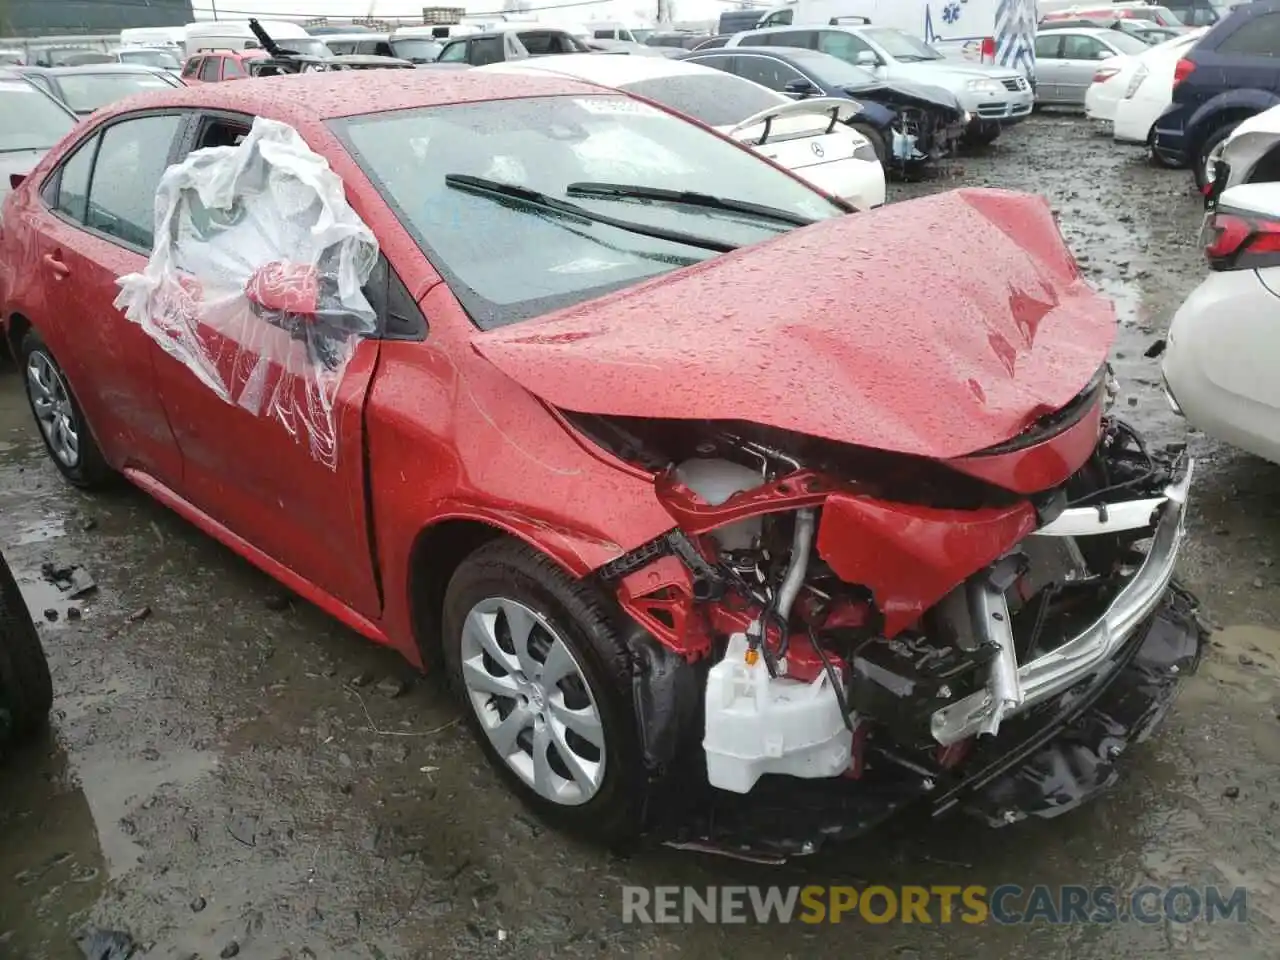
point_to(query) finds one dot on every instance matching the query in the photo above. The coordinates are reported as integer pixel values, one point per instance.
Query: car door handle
(55, 264)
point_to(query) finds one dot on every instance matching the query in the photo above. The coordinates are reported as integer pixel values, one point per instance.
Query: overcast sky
(571, 10)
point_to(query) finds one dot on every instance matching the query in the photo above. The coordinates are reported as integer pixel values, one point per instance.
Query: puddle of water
(42, 596)
(39, 530)
(113, 786)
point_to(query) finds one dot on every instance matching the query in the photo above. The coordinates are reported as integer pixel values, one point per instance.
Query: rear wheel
(26, 691)
(62, 425)
(545, 681)
(876, 140)
(1156, 159)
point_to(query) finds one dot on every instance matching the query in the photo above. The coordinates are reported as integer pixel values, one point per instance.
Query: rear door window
(1259, 37)
(231, 68)
(1048, 47)
(122, 194)
(209, 70)
(486, 50)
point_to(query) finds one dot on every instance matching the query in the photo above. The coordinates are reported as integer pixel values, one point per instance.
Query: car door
(1049, 67)
(191, 69)
(1081, 53)
(269, 462)
(1250, 56)
(849, 48)
(99, 225)
(232, 69)
(454, 52)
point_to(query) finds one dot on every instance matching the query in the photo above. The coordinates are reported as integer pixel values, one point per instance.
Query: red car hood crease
(936, 327)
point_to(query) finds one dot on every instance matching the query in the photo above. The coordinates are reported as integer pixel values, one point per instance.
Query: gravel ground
(232, 773)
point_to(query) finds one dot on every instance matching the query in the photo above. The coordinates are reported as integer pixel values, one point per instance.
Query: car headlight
(984, 86)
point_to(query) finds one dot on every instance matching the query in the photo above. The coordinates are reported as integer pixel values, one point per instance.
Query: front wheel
(545, 682)
(1210, 152)
(983, 135)
(62, 425)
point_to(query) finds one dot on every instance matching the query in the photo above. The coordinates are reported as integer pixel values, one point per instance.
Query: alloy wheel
(51, 401)
(533, 701)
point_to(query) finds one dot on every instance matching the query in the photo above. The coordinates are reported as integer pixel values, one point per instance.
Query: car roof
(1089, 31)
(606, 70)
(326, 37)
(309, 97)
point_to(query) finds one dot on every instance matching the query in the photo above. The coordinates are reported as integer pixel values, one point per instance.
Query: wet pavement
(229, 772)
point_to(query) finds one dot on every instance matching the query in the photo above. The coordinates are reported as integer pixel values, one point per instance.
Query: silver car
(1067, 60)
(993, 96)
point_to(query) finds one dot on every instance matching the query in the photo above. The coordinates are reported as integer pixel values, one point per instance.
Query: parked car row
(554, 348)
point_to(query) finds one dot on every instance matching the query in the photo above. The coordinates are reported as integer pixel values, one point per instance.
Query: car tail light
(1183, 70)
(1103, 74)
(1233, 241)
(988, 49)
(1135, 82)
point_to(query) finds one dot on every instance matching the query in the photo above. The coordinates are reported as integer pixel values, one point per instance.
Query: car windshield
(718, 100)
(151, 58)
(29, 120)
(1127, 43)
(899, 45)
(418, 49)
(508, 260)
(86, 92)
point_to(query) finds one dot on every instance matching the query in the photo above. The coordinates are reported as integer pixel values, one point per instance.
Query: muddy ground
(235, 772)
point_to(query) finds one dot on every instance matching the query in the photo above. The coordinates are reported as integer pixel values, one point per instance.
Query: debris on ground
(72, 580)
(392, 687)
(278, 602)
(138, 615)
(98, 944)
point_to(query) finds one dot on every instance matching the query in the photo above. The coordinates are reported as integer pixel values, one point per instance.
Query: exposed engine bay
(889, 627)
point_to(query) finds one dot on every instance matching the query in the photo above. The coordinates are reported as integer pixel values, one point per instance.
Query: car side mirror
(867, 58)
(285, 288)
(800, 87)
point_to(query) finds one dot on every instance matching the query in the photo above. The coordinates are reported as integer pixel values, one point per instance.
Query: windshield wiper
(688, 198)
(497, 190)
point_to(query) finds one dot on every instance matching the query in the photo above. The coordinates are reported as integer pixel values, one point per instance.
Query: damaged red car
(731, 515)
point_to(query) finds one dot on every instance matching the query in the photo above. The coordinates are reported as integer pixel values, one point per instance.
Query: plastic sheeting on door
(254, 282)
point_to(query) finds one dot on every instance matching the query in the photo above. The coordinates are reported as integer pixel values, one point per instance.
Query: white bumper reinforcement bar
(1007, 694)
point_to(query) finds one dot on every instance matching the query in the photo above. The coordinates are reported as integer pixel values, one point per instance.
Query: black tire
(1155, 158)
(876, 140)
(89, 470)
(26, 690)
(580, 615)
(1215, 137)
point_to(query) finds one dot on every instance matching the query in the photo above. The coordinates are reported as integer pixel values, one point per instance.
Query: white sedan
(1126, 89)
(1149, 89)
(1223, 345)
(808, 136)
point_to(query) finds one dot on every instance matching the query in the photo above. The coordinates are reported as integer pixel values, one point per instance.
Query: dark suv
(26, 692)
(1232, 74)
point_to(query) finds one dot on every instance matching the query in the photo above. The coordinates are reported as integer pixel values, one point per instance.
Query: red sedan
(681, 472)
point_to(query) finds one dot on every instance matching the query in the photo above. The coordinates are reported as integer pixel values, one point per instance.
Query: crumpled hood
(907, 93)
(936, 327)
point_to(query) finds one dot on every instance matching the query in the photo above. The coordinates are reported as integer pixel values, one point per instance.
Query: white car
(805, 136)
(1149, 89)
(1110, 81)
(993, 96)
(1223, 345)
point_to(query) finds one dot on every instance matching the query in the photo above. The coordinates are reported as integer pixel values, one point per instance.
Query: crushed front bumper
(1082, 655)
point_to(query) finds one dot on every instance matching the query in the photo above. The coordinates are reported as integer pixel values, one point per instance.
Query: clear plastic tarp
(254, 282)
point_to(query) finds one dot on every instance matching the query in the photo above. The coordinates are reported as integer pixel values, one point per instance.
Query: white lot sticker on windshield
(588, 265)
(614, 105)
